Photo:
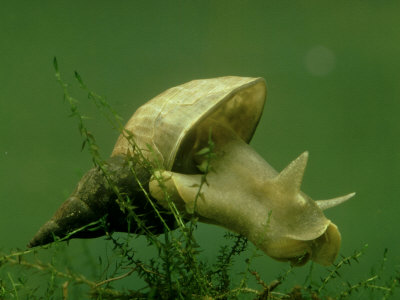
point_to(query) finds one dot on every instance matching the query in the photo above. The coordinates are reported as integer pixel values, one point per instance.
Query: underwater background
(333, 80)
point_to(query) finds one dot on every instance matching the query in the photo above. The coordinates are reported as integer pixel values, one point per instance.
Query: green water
(332, 71)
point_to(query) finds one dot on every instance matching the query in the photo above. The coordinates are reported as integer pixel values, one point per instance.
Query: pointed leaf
(55, 64)
(79, 78)
(203, 151)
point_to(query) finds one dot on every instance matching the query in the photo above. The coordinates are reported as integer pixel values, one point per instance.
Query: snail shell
(163, 128)
(243, 192)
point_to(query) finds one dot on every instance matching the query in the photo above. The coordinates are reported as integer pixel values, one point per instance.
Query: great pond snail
(243, 193)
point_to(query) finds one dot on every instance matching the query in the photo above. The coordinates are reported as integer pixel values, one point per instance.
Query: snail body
(243, 192)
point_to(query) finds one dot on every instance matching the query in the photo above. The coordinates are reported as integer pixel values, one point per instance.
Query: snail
(199, 132)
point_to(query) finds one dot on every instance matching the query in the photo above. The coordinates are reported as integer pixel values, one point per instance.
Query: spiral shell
(162, 128)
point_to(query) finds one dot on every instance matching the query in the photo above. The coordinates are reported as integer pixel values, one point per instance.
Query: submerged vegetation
(171, 266)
